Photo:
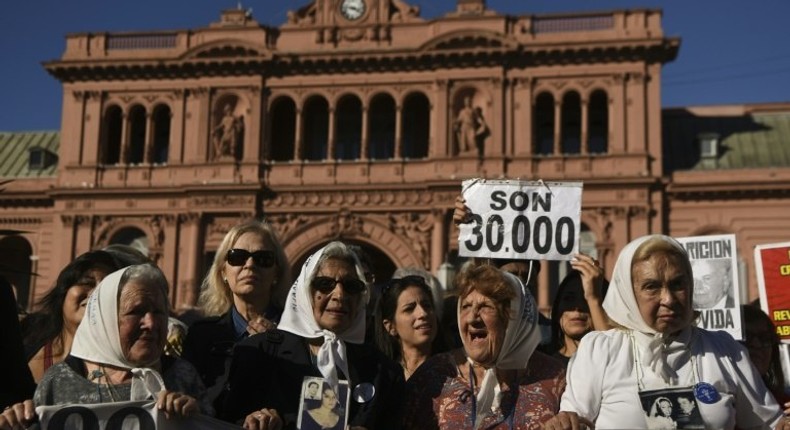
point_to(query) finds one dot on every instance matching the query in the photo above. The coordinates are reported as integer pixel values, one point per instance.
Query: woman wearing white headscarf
(656, 349)
(321, 334)
(497, 380)
(117, 353)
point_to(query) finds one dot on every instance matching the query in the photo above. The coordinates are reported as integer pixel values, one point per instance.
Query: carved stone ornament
(416, 230)
(285, 224)
(346, 224)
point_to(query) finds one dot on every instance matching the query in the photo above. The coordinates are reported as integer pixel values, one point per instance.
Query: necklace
(110, 385)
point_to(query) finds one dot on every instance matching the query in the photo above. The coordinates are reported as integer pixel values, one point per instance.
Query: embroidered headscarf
(298, 317)
(522, 336)
(621, 306)
(98, 337)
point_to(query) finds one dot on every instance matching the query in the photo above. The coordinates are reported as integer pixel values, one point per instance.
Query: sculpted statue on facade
(228, 134)
(470, 127)
(303, 15)
(403, 11)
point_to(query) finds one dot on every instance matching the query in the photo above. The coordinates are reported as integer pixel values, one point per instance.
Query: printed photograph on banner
(321, 406)
(714, 265)
(521, 219)
(772, 263)
(674, 408)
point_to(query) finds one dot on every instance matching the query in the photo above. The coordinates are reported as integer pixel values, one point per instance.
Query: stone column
(363, 151)
(330, 136)
(398, 131)
(557, 127)
(438, 239)
(298, 139)
(585, 149)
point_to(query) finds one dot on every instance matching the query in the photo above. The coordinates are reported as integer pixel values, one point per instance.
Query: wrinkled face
(77, 296)
(663, 293)
(142, 323)
(335, 309)
(711, 282)
(481, 327)
(666, 408)
(575, 324)
(250, 280)
(329, 399)
(415, 318)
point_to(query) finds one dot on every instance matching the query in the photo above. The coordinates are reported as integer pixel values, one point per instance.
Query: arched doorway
(17, 267)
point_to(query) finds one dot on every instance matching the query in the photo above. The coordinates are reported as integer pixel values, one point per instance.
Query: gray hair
(146, 274)
(340, 251)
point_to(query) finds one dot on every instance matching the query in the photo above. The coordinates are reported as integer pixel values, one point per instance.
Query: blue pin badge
(706, 393)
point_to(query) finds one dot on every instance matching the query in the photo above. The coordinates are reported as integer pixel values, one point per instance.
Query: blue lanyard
(510, 416)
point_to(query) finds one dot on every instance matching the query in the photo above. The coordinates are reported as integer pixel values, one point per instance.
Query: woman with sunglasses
(241, 295)
(321, 334)
(406, 323)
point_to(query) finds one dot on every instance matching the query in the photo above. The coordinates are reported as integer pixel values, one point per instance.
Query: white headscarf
(522, 336)
(298, 317)
(621, 306)
(98, 338)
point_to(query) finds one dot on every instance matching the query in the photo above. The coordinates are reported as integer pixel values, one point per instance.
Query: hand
(264, 419)
(784, 423)
(592, 275)
(568, 421)
(19, 416)
(461, 213)
(176, 404)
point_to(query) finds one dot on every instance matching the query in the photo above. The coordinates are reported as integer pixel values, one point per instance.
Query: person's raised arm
(592, 281)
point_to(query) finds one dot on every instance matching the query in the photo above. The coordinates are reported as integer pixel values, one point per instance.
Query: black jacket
(268, 369)
(209, 347)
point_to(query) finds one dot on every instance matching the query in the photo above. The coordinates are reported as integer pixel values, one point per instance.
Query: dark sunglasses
(263, 258)
(326, 285)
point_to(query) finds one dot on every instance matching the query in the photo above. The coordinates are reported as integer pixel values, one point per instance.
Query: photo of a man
(312, 391)
(712, 283)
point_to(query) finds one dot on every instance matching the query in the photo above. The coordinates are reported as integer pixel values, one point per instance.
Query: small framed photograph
(321, 406)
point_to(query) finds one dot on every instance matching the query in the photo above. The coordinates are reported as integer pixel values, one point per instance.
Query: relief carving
(346, 224)
(415, 229)
(286, 224)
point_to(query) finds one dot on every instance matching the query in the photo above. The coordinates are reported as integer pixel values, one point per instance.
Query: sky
(732, 51)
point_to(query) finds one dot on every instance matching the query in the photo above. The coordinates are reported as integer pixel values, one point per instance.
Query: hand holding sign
(519, 219)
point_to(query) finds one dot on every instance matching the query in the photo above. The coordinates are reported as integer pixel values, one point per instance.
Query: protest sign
(521, 219)
(137, 415)
(714, 265)
(773, 280)
(323, 406)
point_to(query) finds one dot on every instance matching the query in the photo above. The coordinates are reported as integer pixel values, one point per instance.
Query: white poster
(139, 415)
(521, 219)
(714, 264)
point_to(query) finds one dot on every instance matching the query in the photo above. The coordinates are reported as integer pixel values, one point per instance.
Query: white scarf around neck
(298, 318)
(98, 338)
(522, 336)
(621, 306)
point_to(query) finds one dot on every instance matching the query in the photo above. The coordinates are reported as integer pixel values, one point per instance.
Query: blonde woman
(241, 295)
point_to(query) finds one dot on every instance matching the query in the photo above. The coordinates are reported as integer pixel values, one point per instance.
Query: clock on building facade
(352, 10)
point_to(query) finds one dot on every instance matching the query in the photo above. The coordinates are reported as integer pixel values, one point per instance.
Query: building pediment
(228, 48)
(469, 39)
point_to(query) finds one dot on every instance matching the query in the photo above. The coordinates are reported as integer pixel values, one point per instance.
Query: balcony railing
(570, 24)
(142, 41)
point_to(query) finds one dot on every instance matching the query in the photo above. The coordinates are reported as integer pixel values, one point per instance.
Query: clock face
(352, 9)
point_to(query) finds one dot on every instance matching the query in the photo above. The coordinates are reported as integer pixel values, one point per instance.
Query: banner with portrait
(323, 407)
(714, 265)
(521, 219)
(138, 415)
(772, 262)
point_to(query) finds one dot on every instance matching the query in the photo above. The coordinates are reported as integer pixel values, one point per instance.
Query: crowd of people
(331, 350)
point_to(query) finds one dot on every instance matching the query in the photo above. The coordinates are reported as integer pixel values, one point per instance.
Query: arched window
(112, 126)
(161, 132)
(348, 128)
(16, 266)
(131, 236)
(136, 135)
(415, 126)
(315, 128)
(598, 123)
(544, 124)
(571, 123)
(381, 127)
(283, 126)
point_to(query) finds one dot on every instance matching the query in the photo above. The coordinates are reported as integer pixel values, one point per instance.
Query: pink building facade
(359, 123)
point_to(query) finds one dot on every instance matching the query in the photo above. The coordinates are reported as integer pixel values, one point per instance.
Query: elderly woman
(49, 332)
(320, 334)
(497, 380)
(406, 323)
(242, 294)
(117, 353)
(655, 347)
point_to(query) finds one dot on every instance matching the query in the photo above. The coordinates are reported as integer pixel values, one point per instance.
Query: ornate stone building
(355, 119)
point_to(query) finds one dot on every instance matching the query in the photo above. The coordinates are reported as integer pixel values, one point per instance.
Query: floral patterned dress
(438, 397)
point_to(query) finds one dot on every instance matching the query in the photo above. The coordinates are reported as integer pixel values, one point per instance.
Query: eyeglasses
(262, 258)
(326, 285)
